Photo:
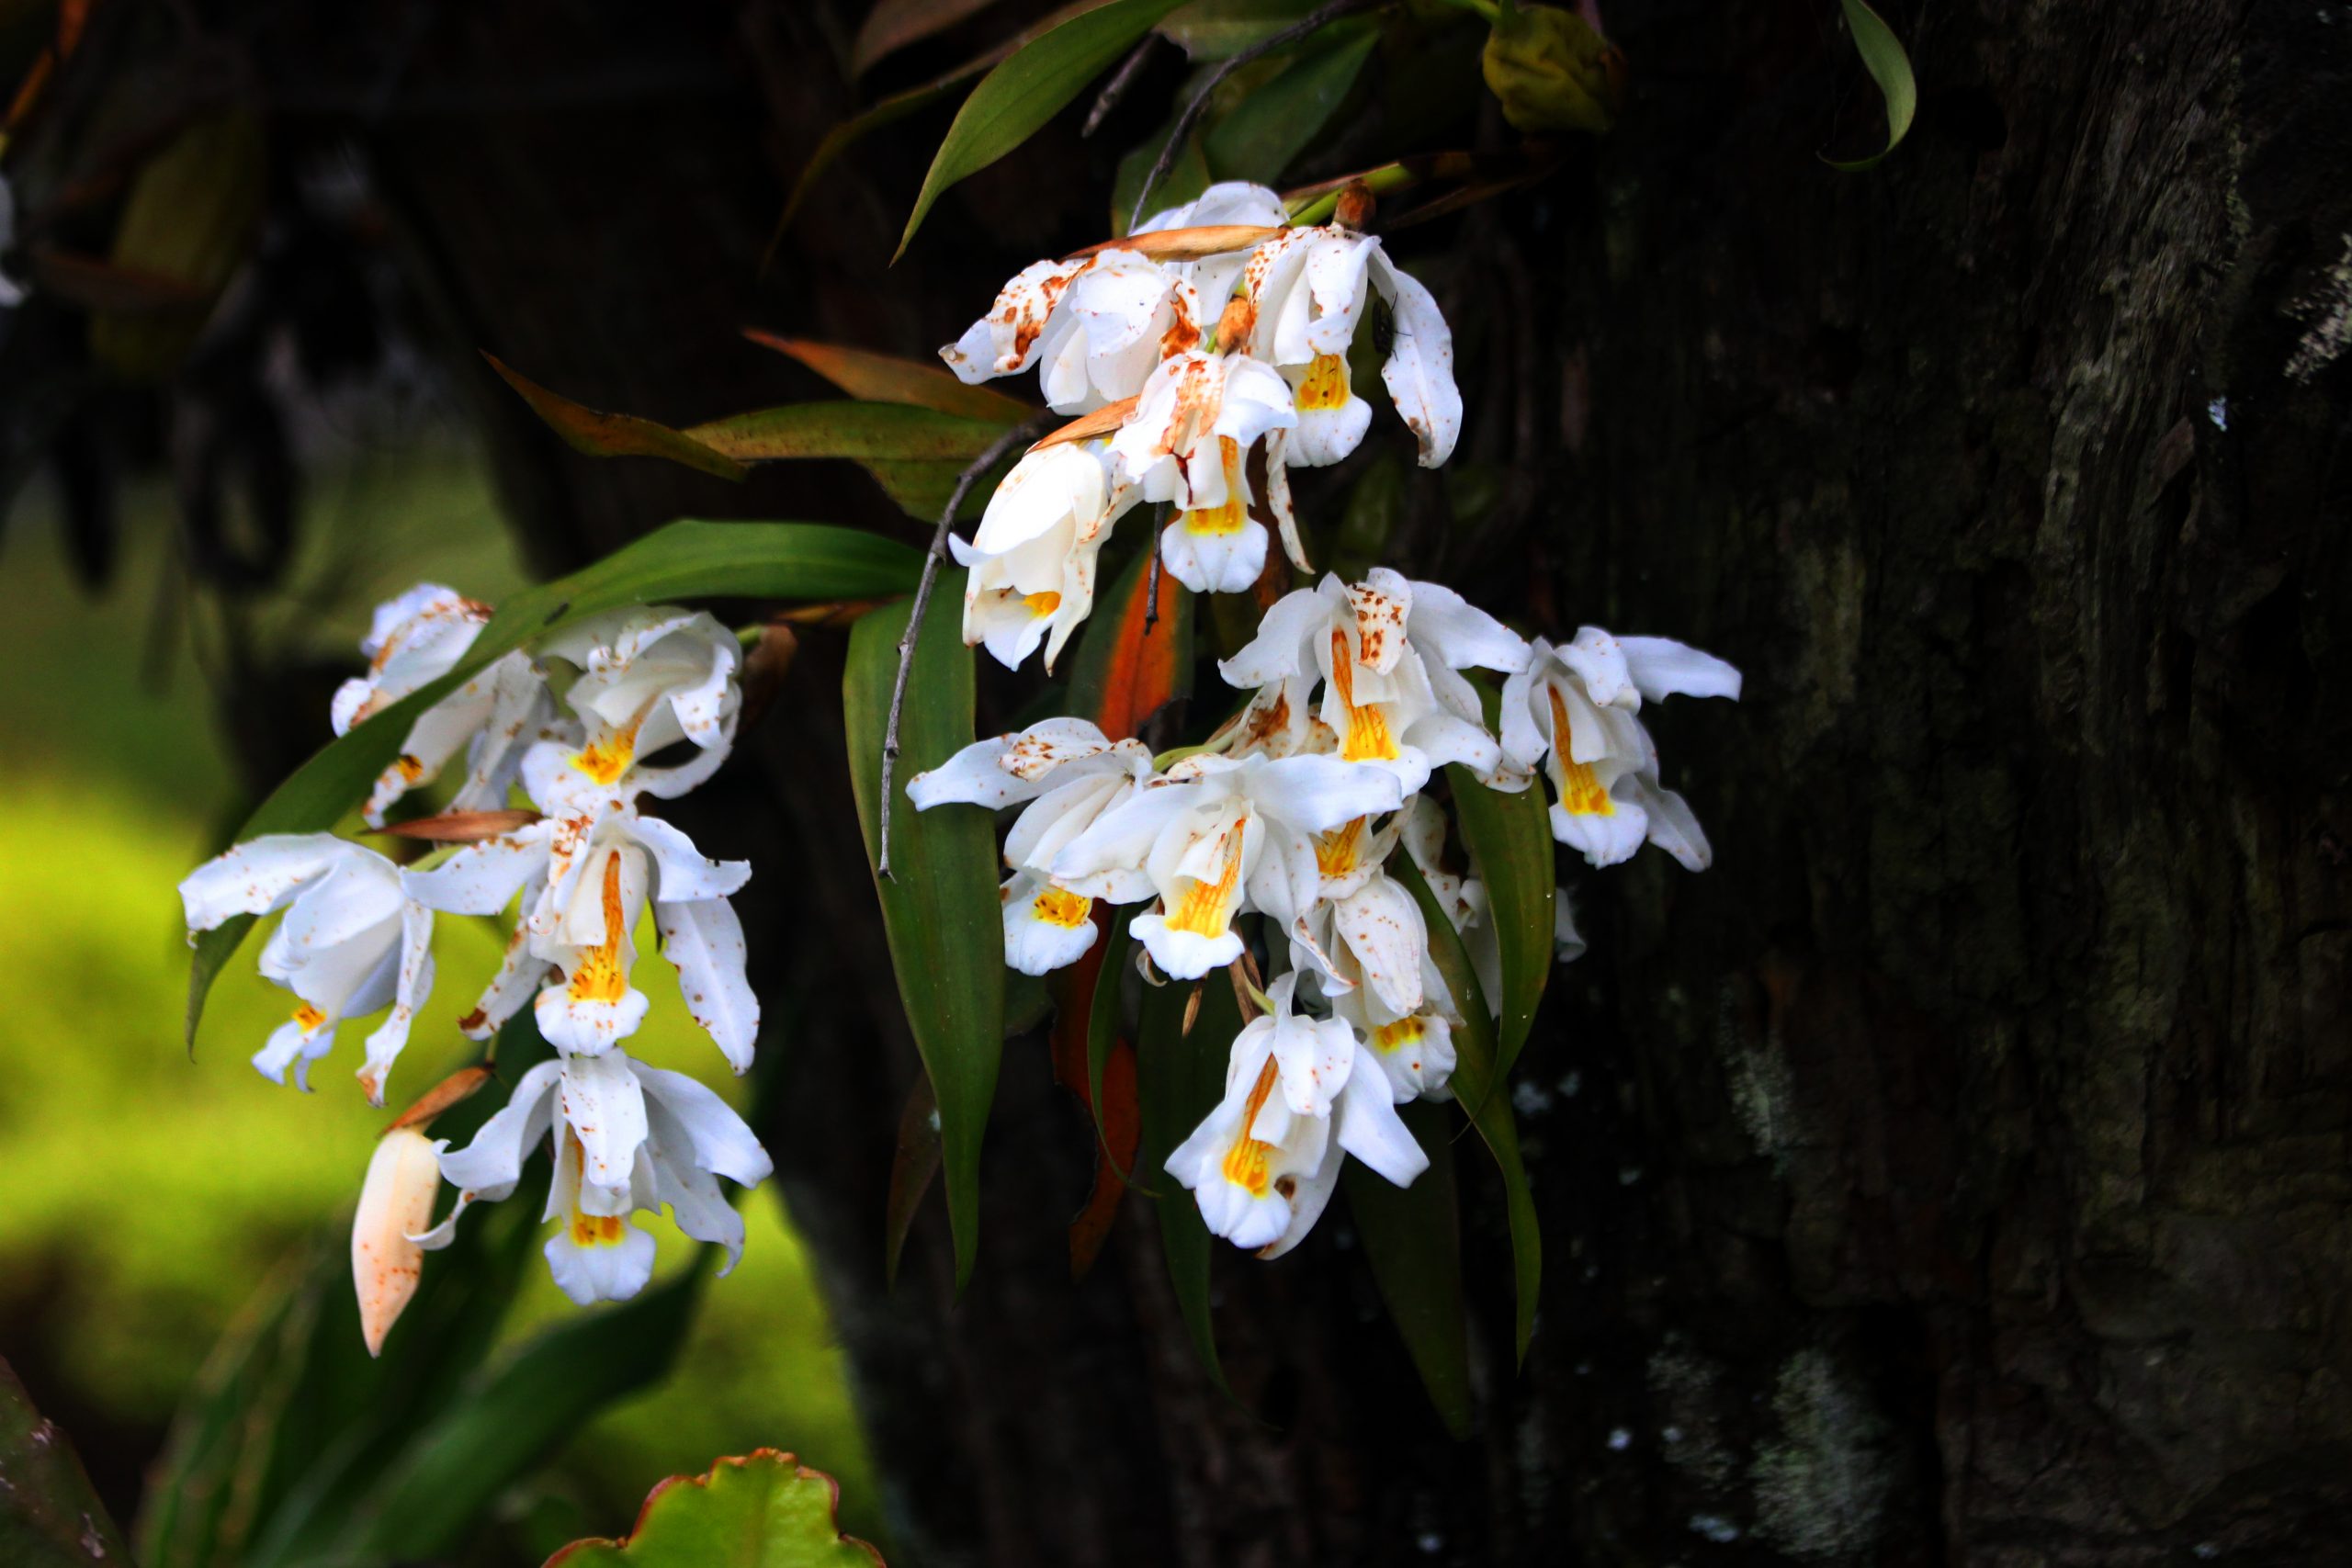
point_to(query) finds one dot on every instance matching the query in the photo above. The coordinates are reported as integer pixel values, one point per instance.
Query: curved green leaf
(763, 1510)
(685, 559)
(894, 24)
(49, 1515)
(939, 905)
(1883, 58)
(1261, 135)
(1479, 1088)
(1510, 835)
(1412, 1237)
(1218, 29)
(895, 431)
(514, 1418)
(1179, 1079)
(602, 434)
(1013, 101)
(886, 378)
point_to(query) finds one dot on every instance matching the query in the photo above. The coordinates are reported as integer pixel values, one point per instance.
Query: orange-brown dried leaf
(886, 378)
(1086, 426)
(463, 1084)
(602, 434)
(462, 827)
(1185, 244)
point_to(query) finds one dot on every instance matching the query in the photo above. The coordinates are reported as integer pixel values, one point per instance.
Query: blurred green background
(148, 1193)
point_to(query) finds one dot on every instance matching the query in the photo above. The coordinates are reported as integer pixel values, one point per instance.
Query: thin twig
(964, 481)
(1117, 88)
(1313, 22)
(1151, 573)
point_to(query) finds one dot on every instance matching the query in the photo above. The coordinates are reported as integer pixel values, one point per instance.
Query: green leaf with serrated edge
(1103, 1024)
(49, 1515)
(1261, 135)
(895, 432)
(1511, 836)
(685, 559)
(1883, 58)
(1013, 101)
(939, 905)
(1179, 1079)
(1218, 29)
(1480, 1089)
(514, 1418)
(1413, 1238)
(763, 1510)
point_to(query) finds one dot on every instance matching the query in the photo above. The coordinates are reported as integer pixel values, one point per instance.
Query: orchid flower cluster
(1355, 696)
(649, 710)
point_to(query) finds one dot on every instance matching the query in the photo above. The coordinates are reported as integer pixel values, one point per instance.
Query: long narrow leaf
(685, 559)
(1013, 101)
(896, 432)
(1265, 132)
(49, 1515)
(1511, 836)
(939, 906)
(1412, 1237)
(602, 434)
(886, 378)
(894, 24)
(1883, 58)
(1180, 1078)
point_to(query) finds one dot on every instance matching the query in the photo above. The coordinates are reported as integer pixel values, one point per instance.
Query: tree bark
(1956, 1172)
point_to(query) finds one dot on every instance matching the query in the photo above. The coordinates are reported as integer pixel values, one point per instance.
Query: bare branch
(1314, 21)
(1012, 438)
(1117, 87)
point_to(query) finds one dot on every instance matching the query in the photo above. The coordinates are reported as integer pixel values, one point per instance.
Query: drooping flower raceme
(1572, 711)
(352, 942)
(1199, 422)
(414, 640)
(1386, 652)
(584, 872)
(627, 1137)
(1070, 773)
(1032, 560)
(1262, 1166)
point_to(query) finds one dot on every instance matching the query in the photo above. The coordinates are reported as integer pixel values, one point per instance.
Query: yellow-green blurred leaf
(939, 905)
(1553, 72)
(763, 1510)
(896, 432)
(1019, 96)
(192, 216)
(1218, 29)
(1413, 1238)
(1883, 56)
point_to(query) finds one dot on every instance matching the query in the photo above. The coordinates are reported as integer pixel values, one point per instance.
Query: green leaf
(886, 378)
(1013, 101)
(1266, 132)
(1412, 1237)
(894, 24)
(1883, 56)
(1480, 1089)
(1179, 1079)
(1218, 29)
(516, 1416)
(602, 434)
(894, 431)
(50, 1516)
(763, 1510)
(1103, 1019)
(939, 905)
(685, 559)
(1511, 836)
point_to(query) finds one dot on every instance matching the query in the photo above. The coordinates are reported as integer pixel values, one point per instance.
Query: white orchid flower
(1387, 650)
(1094, 325)
(1189, 441)
(628, 1137)
(1070, 773)
(1033, 559)
(415, 639)
(1228, 202)
(1310, 287)
(650, 678)
(1260, 1166)
(584, 872)
(352, 942)
(1572, 710)
(1215, 836)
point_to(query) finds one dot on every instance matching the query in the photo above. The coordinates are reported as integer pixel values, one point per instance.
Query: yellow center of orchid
(309, 1016)
(411, 768)
(1397, 1035)
(601, 976)
(1246, 1162)
(1326, 385)
(1581, 790)
(1059, 906)
(607, 759)
(1367, 738)
(1233, 515)
(1204, 908)
(1337, 851)
(1041, 604)
(591, 1230)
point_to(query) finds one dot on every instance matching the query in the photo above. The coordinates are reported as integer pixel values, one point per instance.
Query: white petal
(1419, 372)
(604, 1107)
(1318, 793)
(483, 879)
(1044, 927)
(1213, 562)
(256, 877)
(1280, 647)
(1183, 955)
(1673, 827)
(722, 1141)
(415, 984)
(686, 874)
(704, 940)
(1662, 667)
(1370, 1128)
(1382, 926)
(1458, 634)
(604, 1272)
(490, 1166)
(1308, 1198)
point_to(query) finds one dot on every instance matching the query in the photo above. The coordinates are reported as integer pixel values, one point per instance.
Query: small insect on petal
(395, 1202)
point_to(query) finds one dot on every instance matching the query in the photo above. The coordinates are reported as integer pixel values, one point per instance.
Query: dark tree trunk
(1956, 1172)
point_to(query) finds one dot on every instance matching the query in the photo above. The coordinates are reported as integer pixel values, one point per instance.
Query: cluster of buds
(649, 706)
(1356, 694)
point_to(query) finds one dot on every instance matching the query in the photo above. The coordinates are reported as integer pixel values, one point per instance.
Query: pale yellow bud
(395, 1202)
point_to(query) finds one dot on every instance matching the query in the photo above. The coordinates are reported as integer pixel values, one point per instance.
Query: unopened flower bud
(395, 1202)
(1553, 72)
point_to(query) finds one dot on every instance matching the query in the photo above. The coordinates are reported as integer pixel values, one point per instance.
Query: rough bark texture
(1956, 1172)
